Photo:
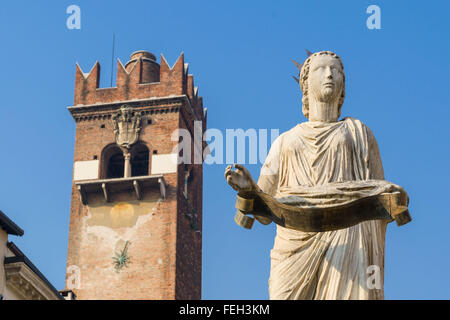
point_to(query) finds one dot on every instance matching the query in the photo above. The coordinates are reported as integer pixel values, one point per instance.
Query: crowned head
(322, 78)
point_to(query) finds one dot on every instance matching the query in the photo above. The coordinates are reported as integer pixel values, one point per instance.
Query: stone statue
(323, 184)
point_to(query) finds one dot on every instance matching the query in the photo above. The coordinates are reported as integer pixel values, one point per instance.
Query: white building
(19, 278)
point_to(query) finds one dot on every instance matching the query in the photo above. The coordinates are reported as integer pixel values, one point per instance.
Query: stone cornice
(21, 278)
(106, 110)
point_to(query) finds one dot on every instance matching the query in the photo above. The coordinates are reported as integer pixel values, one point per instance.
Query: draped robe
(333, 264)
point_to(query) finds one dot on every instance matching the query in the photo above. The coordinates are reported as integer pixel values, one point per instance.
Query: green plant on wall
(122, 259)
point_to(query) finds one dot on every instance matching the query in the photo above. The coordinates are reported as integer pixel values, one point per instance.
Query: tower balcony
(120, 189)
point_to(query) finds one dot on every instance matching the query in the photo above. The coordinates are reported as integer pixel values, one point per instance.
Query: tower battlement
(141, 78)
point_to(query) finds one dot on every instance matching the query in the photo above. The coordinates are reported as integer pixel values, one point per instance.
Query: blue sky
(397, 83)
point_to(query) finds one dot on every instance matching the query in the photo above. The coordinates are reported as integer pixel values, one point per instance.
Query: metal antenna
(112, 58)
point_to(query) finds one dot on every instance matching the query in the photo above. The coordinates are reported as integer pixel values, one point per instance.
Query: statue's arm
(375, 164)
(376, 172)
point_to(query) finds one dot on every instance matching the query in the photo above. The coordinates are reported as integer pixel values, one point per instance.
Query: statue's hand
(240, 179)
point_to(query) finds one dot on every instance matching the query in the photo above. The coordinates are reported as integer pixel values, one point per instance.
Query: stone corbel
(187, 176)
(162, 187)
(137, 189)
(82, 194)
(105, 192)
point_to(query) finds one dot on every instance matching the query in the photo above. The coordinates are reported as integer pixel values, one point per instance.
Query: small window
(149, 121)
(102, 126)
(155, 151)
(95, 157)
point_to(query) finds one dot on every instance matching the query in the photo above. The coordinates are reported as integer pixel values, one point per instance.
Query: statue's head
(322, 78)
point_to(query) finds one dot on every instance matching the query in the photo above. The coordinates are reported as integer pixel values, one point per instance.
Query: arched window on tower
(112, 162)
(139, 160)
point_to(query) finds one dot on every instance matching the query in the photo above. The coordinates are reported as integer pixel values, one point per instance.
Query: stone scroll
(368, 201)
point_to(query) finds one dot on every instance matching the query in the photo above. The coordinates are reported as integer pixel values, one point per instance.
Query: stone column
(127, 165)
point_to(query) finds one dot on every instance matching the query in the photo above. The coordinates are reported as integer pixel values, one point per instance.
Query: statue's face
(325, 80)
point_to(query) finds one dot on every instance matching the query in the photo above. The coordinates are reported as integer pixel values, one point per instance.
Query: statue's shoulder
(278, 140)
(292, 131)
(354, 122)
(284, 136)
(358, 124)
(289, 134)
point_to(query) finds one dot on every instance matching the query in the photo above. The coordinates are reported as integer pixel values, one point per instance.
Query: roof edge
(9, 226)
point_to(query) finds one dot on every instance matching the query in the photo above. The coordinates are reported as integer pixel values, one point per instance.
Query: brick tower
(136, 212)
